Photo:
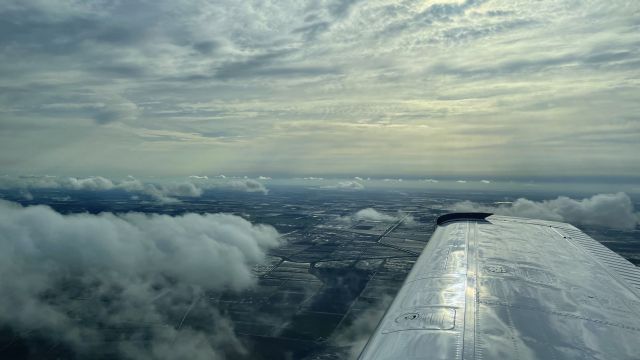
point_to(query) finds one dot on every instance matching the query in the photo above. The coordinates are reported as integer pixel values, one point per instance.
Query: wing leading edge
(496, 287)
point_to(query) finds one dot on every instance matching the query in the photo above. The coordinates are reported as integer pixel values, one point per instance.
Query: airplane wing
(497, 287)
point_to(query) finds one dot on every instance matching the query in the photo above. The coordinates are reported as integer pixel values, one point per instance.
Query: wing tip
(462, 216)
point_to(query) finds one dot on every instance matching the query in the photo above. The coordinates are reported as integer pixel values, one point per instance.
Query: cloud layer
(373, 88)
(162, 192)
(608, 210)
(248, 185)
(343, 185)
(73, 276)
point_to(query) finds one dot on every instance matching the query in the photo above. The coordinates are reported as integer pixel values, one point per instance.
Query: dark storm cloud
(73, 276)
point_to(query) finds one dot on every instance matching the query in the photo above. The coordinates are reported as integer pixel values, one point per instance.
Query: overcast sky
(289, 88)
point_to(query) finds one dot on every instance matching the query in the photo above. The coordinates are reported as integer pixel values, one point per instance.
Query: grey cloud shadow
(206, 47)
(121, 70)
(38, 32)
(312, 31)
(341, 8)
(316, 25)
(439, 12)
(264, 65)
(472, 33)
(595, 59)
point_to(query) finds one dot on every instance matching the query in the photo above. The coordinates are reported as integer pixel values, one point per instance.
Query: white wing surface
(496, 287)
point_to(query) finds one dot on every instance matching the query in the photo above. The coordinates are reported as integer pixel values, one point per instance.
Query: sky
(444, 88)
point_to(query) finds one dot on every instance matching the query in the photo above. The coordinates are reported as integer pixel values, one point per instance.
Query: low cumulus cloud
(346, 185)
(165, 192)
(71, 278)
(54, 182)
(350, 185)
(248, 185)
(231, 183)
(608, 210)
(371, 214)
(158, 192)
